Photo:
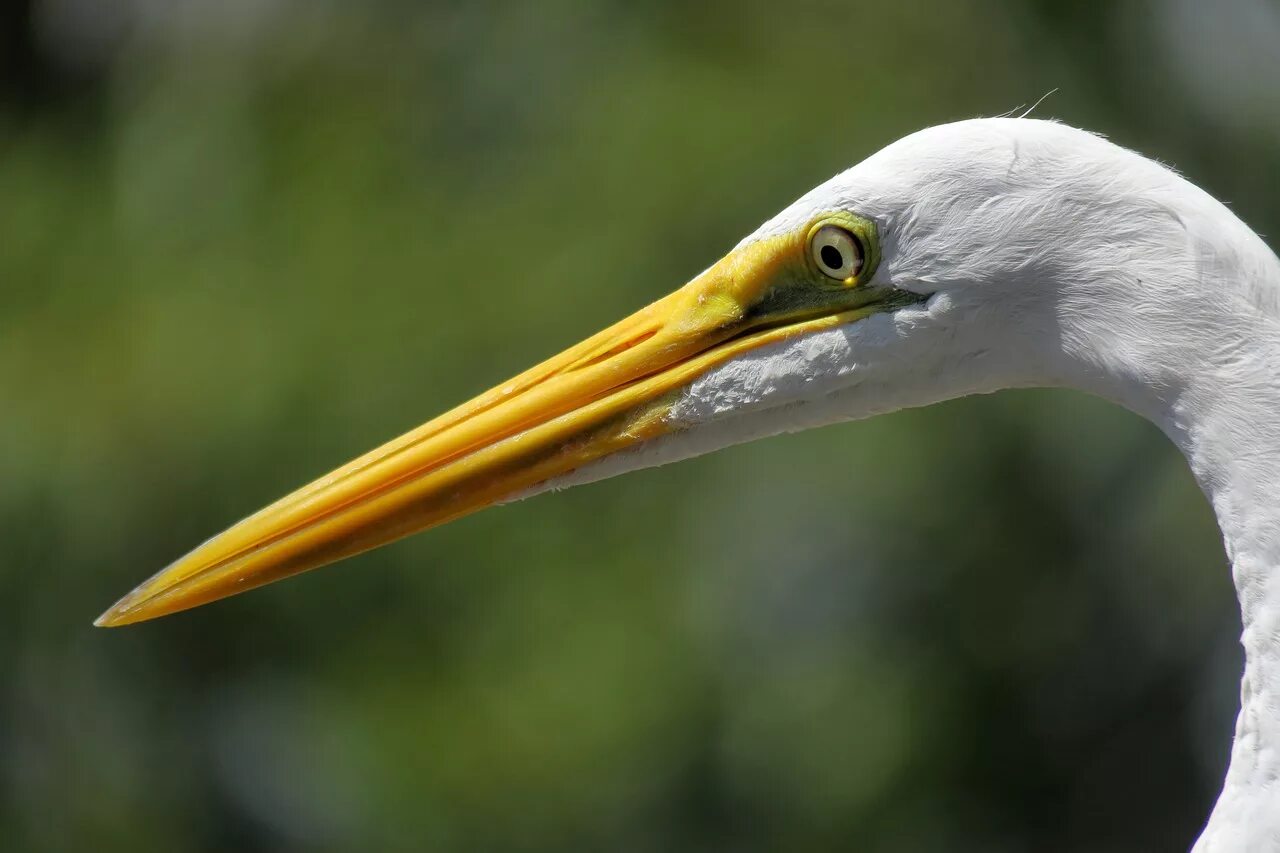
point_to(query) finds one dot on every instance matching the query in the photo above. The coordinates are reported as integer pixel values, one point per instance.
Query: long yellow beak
(608, 393)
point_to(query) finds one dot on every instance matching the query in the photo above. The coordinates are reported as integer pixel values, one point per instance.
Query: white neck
(1213, 386)
(1231, 439)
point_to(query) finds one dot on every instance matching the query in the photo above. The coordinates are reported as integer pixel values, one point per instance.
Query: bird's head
(933, 269)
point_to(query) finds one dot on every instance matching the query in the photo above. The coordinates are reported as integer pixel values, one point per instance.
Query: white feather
(1052, 257)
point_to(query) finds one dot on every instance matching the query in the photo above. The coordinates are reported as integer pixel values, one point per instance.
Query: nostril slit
(597, 358)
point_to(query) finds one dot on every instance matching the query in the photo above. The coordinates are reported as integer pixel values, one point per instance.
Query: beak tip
(123, 612)
(112, 618)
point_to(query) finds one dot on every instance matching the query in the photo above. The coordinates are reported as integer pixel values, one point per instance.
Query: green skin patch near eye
(798, 289)
(863, 230)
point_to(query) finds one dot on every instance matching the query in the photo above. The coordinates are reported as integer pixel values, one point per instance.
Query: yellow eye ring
(837, 253)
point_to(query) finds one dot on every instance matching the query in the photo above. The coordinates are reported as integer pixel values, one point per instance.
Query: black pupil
(831, 257)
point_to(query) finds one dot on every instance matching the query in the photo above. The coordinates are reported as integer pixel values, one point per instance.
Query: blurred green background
(239, 244)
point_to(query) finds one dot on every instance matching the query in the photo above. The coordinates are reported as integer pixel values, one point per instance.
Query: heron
(965, 258)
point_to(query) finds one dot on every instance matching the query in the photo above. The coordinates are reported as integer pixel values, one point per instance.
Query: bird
(964, 258)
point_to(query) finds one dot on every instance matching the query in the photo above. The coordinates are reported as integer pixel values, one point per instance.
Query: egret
(964, 258)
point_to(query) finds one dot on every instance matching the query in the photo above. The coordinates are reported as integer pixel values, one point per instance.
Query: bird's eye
(836, 252)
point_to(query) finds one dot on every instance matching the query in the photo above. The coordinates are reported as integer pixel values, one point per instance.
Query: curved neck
(1214, 388)
(1192, 342)
(1231, 439)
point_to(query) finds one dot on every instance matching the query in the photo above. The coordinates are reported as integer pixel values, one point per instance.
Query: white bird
(965, 258)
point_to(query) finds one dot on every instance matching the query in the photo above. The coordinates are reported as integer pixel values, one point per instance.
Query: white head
(1044, 256)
